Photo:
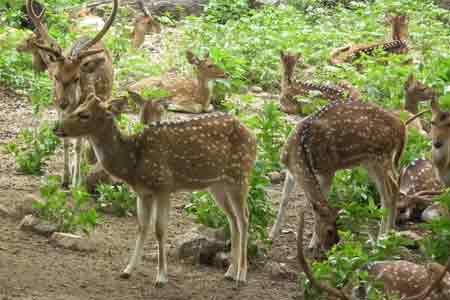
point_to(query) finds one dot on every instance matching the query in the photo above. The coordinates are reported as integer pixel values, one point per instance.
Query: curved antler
(55, 52)
(144, 9)
(433, 285)
(102, 32)
(307, 270)
(37, 20)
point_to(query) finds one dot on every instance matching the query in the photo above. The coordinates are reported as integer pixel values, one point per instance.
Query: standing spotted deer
(187, 95)
(440, 135)
(215, 152)
(143, 25)
(403, 278)
(397, 45)
(86, 68)
(342, 135)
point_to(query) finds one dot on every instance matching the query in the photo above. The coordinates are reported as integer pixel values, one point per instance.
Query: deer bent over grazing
(342, 135)
(187, 95)
(403, 278)
(215, 151)
(86, 68)
(397, 45)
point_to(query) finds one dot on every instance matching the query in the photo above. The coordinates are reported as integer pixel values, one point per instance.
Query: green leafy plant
(70, 214)
(221, 11)
(33, 148)
(118, 198)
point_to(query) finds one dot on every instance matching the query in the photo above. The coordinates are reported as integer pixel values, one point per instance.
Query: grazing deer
(397, 45)
(440, 136)
(418, 185)
(143, 25)
(215, 151)
(291, 88)
(86, 68)
(408, 280)
(342, 135)
(187, 95)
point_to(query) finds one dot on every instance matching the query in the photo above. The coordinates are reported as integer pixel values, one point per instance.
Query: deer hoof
(124, 275)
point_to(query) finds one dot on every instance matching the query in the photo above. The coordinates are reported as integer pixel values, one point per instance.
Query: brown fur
(142, 26)
(186, 95)
(216, 152)
(440, 135)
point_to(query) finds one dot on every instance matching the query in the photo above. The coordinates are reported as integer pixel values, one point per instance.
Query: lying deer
(215, 151)
(143, 25)
(418, 185)
(398, 44)
(342, 135)
(86, 68)
(408, 280)
(290, 88)
(187, 95)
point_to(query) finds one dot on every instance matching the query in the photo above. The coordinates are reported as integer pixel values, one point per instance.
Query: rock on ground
(33, 224)
(72, 242)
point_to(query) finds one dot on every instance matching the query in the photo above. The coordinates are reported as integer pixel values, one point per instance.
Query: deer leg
(223, 201)
(66, 170)
(289, 185)
(143, 216)
(76, 175)
(161, 221)
(238, 197)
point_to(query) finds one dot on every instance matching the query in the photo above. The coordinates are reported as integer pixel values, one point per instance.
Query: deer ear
(92, 65)
(136, 98)
(192, 59)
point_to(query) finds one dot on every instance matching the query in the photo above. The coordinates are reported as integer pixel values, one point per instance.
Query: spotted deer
(187, 95)
(86, 68)
(418, 185)
(342, 135)
(150, 111)
(398, 44)
(214, 151)
(402, 278)
(440, 136)
(143, 25)
(290, 88)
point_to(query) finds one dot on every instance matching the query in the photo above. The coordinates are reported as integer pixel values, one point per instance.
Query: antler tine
(105, 28)
(36, 19)
(55, 52)
(433, 285)
(144, 9)
(306, 269)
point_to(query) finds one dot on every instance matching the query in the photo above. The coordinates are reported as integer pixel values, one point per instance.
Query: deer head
(68, 69)
(28, 46)
(143, 25)
(288, 61)
(440, 136)
(151, 111)
(399, 26)
(415, 92)
(206, 68)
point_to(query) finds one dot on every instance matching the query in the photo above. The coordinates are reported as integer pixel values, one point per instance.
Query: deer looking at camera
(86, 68)
(408, 280)
(215, 152)
(342, 135)
(440, 136)
(290, 88)
(398, 44)
(186, 95)
(143, 25)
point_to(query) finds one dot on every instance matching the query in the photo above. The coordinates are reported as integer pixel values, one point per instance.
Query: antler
(55, 52)
(307, 270)
(144, 9)
(102, 32)
(37, 20)
(433, 285)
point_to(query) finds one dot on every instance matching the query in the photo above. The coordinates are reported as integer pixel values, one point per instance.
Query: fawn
(215, 152)
(187, 95)
(86, 68)
(410, 281)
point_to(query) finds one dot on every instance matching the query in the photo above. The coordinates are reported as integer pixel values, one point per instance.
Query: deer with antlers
(143, 25)
(186, 95)
(408, 280)
(342, 135)
(290, 88)
(215, 152)
(86, 68)
(397, 45)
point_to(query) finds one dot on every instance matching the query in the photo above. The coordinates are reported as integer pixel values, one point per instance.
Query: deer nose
(437, 144)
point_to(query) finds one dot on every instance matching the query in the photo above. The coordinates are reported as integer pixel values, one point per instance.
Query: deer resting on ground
(408, 280)
(86, 68)
(187, 95)
(215, 152)
(342, 135)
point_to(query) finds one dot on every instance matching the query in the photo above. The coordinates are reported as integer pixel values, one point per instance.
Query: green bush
(121, 200)
(221, 11)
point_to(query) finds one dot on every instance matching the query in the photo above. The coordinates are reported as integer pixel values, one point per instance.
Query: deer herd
(217, 152)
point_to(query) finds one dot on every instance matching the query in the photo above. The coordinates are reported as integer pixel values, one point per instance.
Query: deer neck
(204, 89)
(399, 34)
(116, 153)
(286, 80)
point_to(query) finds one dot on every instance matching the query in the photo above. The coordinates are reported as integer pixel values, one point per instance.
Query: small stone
(31, 223)
(72, 242)
(222, 260)
(434, 212)
(279, 271)
(256, 89)
(198, 247)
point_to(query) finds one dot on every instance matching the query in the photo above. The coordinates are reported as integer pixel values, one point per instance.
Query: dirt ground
(32, 268)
